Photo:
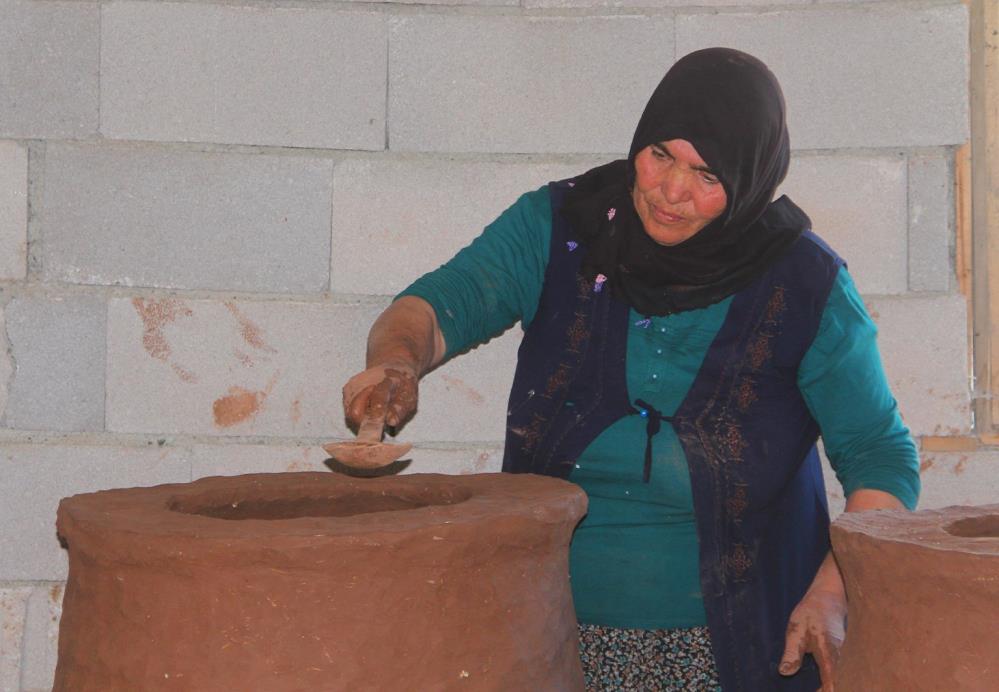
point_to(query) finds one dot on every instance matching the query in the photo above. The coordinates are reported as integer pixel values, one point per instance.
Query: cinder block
(464, 461)
(49, 62)
(877, 75)
(44, 474)
(463, 3)
(237, 459)
(41, 636)
(245, 75)
(857, 203)
(435, 208)
(522, 84)
(923, 342)
(931, 208)
(13, 613)
(6, 364)
(13, 210)
(230, 460)
(654, 4)
(128, 216)
(834, 492)
(466, 399)
(959, 478)
(57, 347)
(232, 368)
(277, 369)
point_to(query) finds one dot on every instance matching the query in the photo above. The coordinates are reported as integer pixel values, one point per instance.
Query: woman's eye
(660, 154)
(709, 179)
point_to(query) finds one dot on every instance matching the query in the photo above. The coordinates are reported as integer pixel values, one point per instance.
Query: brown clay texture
(311, 581)
(923, 591)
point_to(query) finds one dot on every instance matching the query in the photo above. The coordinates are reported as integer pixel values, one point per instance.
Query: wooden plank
(984, 82)
(990, 187)
(962, 221)
(963, 239)
(948, 444)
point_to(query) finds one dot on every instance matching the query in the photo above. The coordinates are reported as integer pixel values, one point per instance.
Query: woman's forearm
(406, 333)
(868, 498)
(403, 344)
(828, 578)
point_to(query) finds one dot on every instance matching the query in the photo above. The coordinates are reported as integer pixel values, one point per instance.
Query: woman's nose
(675, 188)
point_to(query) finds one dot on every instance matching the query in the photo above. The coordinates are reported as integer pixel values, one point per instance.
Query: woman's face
(675, 193)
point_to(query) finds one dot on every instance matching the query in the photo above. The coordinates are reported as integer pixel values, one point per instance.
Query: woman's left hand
(818, 626)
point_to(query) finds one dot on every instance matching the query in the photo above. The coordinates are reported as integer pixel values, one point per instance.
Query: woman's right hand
(405, 342)
(391, 388)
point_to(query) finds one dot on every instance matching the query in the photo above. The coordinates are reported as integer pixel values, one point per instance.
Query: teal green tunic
(633, 560)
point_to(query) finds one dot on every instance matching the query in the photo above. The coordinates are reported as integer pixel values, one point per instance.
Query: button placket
(657, 336)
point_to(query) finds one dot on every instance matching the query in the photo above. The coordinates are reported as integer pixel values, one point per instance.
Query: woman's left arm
(843, 383)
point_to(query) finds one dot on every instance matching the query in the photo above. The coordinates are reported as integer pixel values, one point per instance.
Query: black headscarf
(729, 106)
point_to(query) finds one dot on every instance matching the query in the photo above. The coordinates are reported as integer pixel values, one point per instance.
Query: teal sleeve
(494, 281)
(844, 385)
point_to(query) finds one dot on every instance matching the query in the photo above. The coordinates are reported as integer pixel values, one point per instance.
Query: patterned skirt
(647, 660)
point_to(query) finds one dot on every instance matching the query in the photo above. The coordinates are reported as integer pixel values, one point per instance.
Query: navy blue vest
(759, 498)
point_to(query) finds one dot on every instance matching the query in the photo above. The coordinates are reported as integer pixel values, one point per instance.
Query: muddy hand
(390, 388)
(817, 626)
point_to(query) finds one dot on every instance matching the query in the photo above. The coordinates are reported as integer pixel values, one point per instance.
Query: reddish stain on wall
(959, 467)
(243, 358)
(480, 462)
(237, 406)
(296, 411)
(183, 373)
(460, 386)
(926, 465)
(155, 315)
(252, 334)
(297, 465)
(241, 404)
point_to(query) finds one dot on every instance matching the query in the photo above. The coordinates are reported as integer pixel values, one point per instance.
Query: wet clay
(923, 591)
(312, 581)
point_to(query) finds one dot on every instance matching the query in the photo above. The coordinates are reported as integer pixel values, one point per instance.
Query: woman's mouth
(663, 216)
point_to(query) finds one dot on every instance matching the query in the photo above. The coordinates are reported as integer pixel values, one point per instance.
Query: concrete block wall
(204, 205)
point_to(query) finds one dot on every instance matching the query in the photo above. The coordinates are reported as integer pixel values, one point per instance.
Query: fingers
(826, 653)
(381, 391)
(402, 403)
(356, 391)
(356, 404)
(794, 648)
(800, 640)
(378, 399)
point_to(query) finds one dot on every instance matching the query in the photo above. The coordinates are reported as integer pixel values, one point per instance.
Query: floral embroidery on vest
(738, 561)
(738, 502)
(745, 393)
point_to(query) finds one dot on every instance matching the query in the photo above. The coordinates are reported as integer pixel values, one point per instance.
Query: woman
(686, 341)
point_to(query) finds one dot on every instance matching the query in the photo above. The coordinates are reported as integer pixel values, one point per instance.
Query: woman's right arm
(476, 295)
(404, 343)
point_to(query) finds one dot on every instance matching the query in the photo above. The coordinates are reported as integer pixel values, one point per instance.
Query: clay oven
(923, 592)
(311, 581)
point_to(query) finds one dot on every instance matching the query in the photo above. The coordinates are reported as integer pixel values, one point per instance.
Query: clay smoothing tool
(368, 451)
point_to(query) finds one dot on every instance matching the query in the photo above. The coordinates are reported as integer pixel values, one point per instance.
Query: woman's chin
(669, 237)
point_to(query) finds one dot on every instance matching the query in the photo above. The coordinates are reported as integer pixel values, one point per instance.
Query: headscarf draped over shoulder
(729, 106)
